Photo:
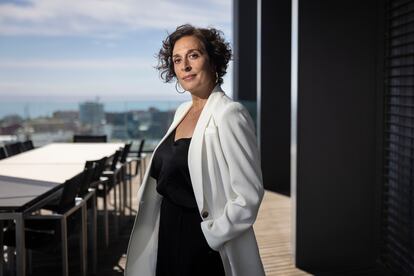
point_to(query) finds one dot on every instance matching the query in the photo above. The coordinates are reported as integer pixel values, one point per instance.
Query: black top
(170, 169)
(182, 247)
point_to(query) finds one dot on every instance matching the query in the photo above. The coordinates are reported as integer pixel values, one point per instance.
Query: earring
(217, 77)
(176, 88)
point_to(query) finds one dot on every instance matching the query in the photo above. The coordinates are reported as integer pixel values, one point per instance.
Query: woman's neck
(200, 98)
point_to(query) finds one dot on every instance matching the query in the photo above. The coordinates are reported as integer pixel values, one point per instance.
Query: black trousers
(182, 248)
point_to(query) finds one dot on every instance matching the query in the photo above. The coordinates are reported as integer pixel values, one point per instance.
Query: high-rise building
(93, 115)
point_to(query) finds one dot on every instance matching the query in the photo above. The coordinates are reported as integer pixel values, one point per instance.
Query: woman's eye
(193, 56)
(176, 61)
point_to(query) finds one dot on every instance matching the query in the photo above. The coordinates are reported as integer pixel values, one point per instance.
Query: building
(92, 114)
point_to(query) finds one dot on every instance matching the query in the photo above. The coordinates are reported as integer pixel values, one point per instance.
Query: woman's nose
(186, 66)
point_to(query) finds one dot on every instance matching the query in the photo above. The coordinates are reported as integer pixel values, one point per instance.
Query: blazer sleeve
(239, 146)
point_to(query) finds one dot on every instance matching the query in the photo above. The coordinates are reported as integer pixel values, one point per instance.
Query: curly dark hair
(218, 50)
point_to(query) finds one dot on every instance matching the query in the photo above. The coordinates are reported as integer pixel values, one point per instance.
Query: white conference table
(57, 173)
(64, 153)
(34, 176)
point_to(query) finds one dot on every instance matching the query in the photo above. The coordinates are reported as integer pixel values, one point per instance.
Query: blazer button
(204, 214)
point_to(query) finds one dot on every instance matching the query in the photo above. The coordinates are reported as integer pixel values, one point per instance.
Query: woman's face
(191, 65)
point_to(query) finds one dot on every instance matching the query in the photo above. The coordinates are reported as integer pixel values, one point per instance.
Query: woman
(200, 196)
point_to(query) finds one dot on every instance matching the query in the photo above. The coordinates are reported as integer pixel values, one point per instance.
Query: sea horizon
(35, 109)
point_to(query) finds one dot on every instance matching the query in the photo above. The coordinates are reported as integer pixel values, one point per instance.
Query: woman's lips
(189, 77)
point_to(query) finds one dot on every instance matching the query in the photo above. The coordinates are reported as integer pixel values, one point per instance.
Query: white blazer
(225, 171)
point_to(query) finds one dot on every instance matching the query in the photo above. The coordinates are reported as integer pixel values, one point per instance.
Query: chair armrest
(43, 217)
(130, 159)
(107, 173)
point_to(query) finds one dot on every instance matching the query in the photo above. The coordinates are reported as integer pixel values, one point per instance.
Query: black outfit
(182, 248)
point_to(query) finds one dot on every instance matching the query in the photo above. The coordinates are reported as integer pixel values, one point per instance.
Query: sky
(71, 50)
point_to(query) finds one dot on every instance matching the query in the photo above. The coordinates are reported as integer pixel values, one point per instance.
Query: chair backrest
(14, 148)
(125, 152)
(70, 190)
(2, 153)
(27, 145)
(99, 167)
(115, 159)
(141, 147)
(87, 180)
(89, 138)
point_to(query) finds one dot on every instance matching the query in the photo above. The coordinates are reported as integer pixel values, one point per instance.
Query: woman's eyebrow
(189, 51)
(193, 50)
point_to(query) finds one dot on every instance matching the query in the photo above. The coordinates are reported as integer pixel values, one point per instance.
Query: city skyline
(79, 50)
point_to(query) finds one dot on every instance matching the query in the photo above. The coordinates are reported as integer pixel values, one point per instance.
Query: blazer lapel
(196, 146)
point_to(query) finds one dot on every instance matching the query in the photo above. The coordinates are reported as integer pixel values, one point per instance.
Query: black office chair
(125, 152)
(136, 156)
(99, 166)
(113, 171)
(3, 153)
(88, 194)
(126, 171)
(27, 145)
(103, 185)
(85, 186)
(47, 233)
(89, 138)
(14, 148)
(109, 181)
(65, 199)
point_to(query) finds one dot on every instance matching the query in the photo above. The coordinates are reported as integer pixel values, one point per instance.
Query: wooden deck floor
(273, 235)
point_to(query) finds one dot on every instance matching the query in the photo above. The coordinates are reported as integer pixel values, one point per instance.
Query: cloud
(110, 18)
(78, 64)
(92, 87)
